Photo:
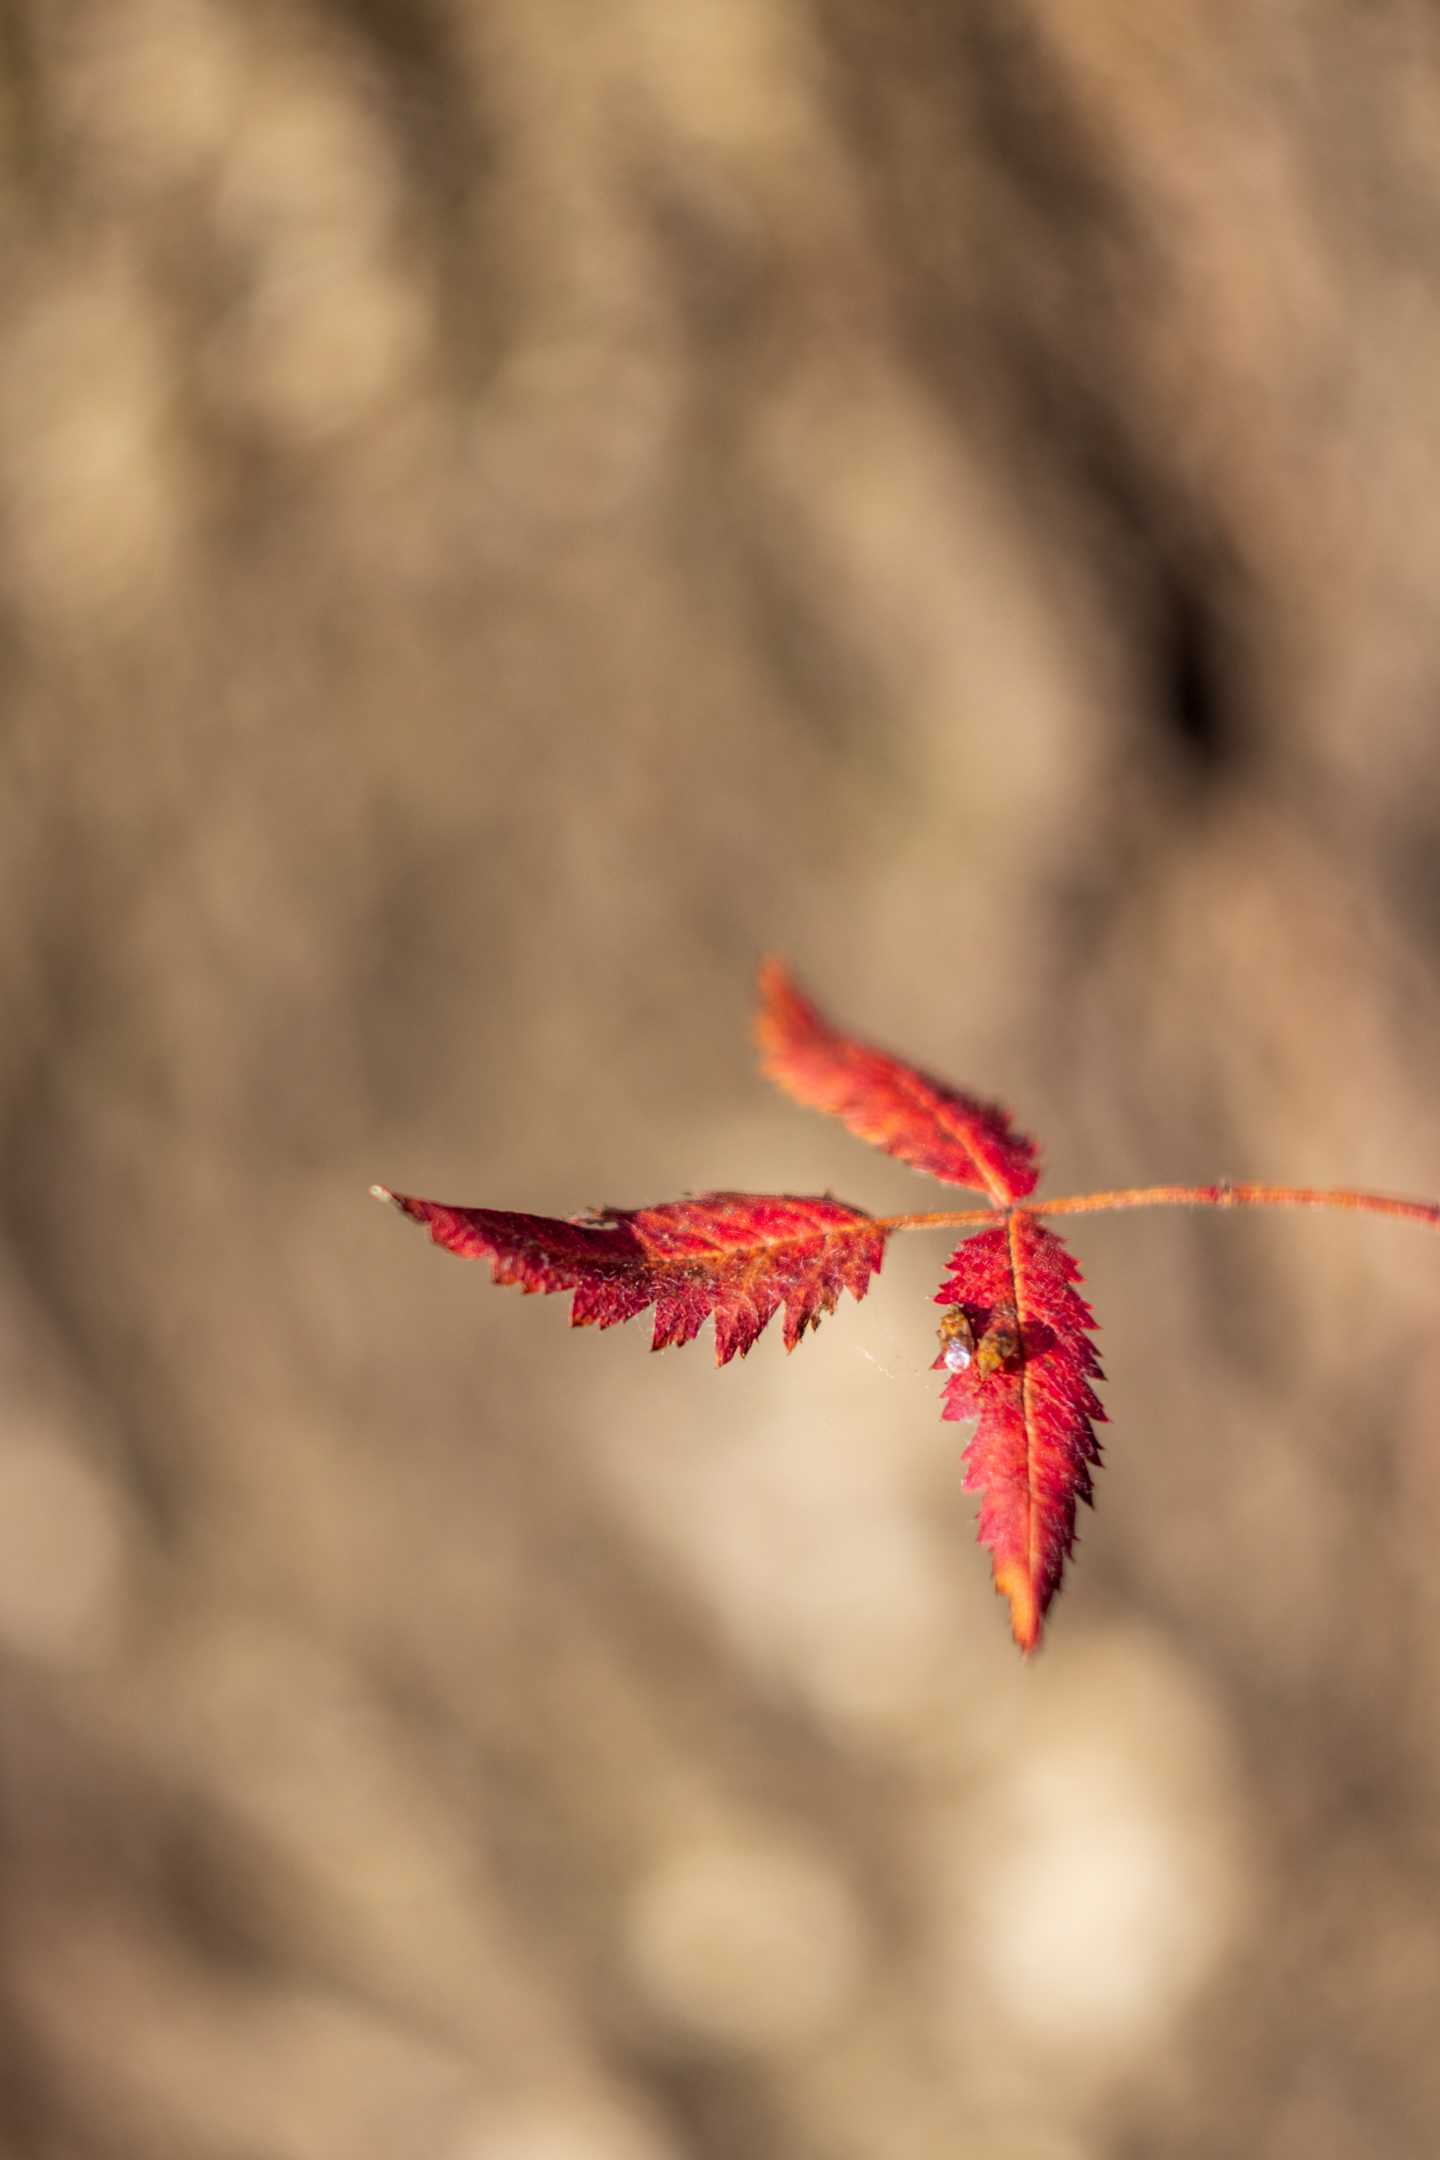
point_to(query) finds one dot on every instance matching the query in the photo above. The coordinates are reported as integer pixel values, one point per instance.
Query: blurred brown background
(510, 509)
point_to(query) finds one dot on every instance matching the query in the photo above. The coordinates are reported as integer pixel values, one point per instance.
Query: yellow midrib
(1017, 1285)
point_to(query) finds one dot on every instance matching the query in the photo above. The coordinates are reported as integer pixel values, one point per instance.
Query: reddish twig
(1225, 1195)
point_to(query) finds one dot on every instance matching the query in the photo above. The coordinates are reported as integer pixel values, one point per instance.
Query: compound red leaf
(1016, 1342)
(738, 1256)
(887, 1102)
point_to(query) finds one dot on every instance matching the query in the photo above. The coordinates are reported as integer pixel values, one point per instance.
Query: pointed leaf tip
(1028, 1384)
(880, 1098)
(737, 1257)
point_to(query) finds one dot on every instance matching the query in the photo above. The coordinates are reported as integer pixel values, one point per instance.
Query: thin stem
(1219, 1196)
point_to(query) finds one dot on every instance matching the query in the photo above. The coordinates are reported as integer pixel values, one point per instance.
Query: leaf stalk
(1224, 1195)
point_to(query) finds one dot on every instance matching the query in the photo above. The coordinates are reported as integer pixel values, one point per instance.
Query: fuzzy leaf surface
(738, 1256)
(1019, 1334)
(887, 1102)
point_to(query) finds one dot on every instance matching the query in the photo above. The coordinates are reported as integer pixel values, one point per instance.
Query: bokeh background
(512, 508)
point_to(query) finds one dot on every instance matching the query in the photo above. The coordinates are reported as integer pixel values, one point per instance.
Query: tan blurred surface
(509, 509)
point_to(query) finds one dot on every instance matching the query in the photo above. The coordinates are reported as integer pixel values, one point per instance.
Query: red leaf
(887, 1102)
(1016, 1341)
(740, 1256)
